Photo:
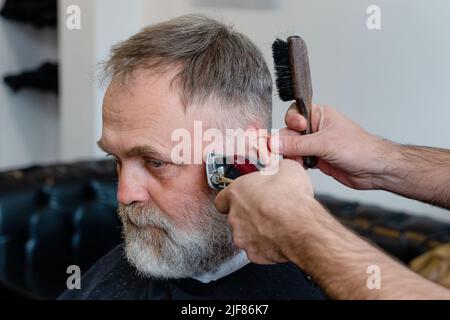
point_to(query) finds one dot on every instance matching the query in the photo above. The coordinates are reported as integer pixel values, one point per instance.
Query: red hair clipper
(222, 170)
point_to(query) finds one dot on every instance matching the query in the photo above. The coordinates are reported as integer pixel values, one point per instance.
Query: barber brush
(293, 80)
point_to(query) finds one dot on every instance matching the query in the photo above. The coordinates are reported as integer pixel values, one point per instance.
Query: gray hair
(215, 63)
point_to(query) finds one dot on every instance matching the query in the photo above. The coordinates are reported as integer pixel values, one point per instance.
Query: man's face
(171, 227)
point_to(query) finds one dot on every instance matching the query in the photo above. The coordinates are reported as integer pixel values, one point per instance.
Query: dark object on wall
(45, 78)
(41, 13)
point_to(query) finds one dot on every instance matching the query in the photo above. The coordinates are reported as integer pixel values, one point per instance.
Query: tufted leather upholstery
(403, 235)
(52, 217)
(55, 216)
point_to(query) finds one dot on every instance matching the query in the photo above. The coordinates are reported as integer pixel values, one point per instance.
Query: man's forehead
(147, 102)
(144, 93)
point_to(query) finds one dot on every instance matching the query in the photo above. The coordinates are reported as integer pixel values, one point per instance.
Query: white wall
(28, 119)
(103, 23)
(77, 56)
(124, 19)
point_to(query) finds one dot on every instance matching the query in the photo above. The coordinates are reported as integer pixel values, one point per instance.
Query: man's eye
(155, 163)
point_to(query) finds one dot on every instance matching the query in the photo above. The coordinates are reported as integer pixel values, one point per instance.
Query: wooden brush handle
(309, 161)
(301, 79)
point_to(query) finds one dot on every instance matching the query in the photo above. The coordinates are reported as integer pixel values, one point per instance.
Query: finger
(317, 115)
(299, 160)
(272, 141)
(287, 132)
(289, 165)
(263, 150)
(255, 258)
(294, 120)
(222, 202)
(297, 146)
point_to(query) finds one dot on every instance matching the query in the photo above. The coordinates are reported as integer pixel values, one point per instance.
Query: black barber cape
(112, 277)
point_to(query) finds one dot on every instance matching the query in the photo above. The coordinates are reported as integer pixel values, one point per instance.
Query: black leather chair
(60, 215)
(52, 217)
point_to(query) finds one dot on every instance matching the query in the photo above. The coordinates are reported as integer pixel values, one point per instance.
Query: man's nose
(131, 186)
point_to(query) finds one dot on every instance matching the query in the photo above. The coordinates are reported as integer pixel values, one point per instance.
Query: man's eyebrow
(137, 151)
(141, 151)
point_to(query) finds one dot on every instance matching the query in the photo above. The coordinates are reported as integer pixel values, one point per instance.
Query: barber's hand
(346, 151)
(265, 210)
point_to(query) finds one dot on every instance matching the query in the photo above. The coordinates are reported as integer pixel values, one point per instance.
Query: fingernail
(297, 121)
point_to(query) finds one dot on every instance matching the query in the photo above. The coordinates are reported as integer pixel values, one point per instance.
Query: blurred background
(395, 81)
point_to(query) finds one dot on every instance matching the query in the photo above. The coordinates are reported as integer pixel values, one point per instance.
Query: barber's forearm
(420, 173)
(337, 260)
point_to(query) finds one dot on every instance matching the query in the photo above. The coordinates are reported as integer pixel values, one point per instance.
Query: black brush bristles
(283, 73)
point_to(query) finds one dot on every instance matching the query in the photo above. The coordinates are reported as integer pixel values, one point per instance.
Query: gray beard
(158, 248)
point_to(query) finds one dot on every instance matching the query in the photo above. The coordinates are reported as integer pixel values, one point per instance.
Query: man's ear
(255, 126)
(257, 137)
(252, 126)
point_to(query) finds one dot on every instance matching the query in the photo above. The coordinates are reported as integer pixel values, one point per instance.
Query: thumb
(222, 202)
(302, 145)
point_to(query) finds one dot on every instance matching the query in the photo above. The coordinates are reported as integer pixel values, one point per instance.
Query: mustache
(144, 216)
(147, 215)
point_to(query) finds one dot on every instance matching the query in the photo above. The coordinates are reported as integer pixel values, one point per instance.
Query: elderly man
(176, 244)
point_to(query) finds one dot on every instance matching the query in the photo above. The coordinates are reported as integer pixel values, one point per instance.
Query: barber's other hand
(346, 151)
(263, 210)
